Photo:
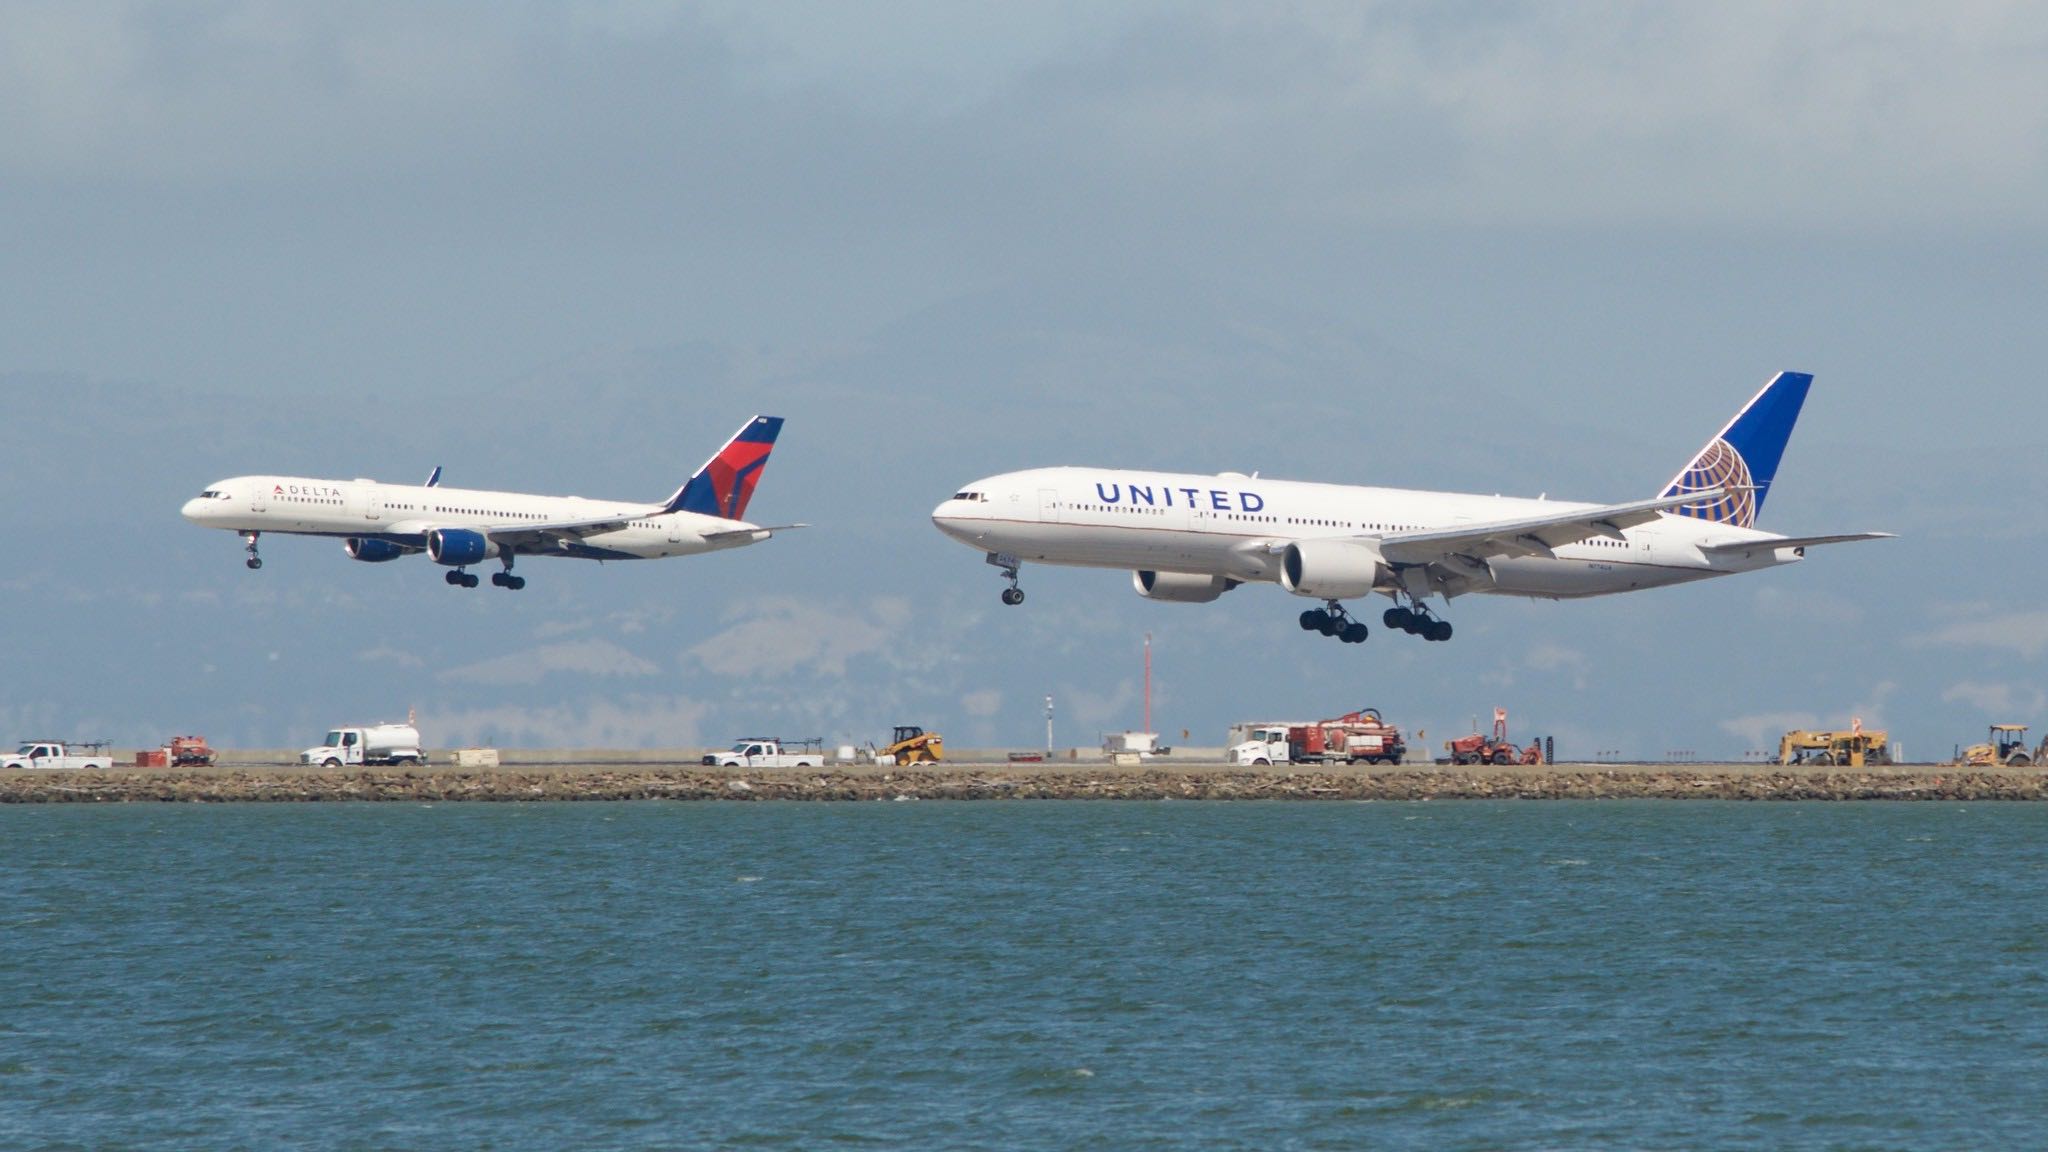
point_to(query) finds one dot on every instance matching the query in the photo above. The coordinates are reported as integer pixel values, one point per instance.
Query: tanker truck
(368, 744)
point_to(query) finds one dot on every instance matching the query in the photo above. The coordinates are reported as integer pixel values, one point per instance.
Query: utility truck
(770, 752)
(367, 744)
(1352, 737)
(75, 755)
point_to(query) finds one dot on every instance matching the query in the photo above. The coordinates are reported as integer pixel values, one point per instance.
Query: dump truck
(1852, 748)
(912, 745)
(2006, 744)
(769, 752)
(75, 755)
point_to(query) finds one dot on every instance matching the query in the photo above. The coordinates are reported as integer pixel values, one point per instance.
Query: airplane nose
(191, 509)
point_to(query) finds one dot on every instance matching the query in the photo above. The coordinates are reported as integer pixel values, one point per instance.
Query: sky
(567, 248)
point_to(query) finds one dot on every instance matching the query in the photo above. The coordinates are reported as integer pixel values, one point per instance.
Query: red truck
(1354, 736)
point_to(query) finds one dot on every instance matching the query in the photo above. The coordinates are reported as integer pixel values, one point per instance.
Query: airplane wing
(1533, 536)
(1772, 543)
(531, 537)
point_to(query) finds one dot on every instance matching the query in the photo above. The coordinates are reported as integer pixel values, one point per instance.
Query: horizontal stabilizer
(761, 533)
(1794, 541)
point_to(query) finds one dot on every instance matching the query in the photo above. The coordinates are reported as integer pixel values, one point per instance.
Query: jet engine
(375, 551)
(1181, 587)
(458, 546)
(1333, 569)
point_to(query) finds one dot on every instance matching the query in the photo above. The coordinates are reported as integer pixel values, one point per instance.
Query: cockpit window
(210, 494)
(975, 497)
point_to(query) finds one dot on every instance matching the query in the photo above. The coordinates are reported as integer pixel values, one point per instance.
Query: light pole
(1048, 727)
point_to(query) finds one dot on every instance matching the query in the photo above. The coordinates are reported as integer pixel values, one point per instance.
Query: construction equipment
(1354, 736)
(2006, 744)
(1498, 749)
(913, 745)
(1853, 748)
(189, 752)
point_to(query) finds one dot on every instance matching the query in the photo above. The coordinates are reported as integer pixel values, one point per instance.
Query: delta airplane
(458, 527)
(1191, 538)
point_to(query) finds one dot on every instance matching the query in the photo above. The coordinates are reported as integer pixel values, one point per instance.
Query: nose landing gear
(1012, 595)
(254, 561)
(1332, 620)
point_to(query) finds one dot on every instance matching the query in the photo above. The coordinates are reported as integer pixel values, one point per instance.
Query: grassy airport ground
(621, 777)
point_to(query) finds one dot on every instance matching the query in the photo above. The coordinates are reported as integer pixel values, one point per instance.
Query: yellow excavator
(914, 745)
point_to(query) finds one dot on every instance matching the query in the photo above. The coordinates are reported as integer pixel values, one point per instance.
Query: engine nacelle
(375, 551)
(458, 546)
(1333, 569)
(1181, 587)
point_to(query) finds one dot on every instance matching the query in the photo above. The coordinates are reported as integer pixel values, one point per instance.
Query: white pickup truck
(85, 755)
(768, 752)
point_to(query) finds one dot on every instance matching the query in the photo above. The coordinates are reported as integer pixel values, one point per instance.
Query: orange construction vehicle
(1497, 749)
(190, 752)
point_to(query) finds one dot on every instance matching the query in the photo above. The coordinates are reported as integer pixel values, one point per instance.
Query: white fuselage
(1235, 526)
(402, 515)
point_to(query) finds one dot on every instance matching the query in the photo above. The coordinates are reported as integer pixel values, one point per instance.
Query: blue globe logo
(1720, 466)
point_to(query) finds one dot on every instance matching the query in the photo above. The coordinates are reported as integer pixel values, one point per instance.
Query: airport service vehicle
(75, 755)
(1189, 538)
(1853, 748)
(1495, 749)
(178, 752)
(458, 527)
(368, 744)
(913, 745)
(1352, 737)
(2007, 744)
(770, 752)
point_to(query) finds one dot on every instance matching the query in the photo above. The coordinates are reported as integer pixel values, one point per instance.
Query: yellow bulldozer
(913, 745)
(1852, 749)
(2007, 745)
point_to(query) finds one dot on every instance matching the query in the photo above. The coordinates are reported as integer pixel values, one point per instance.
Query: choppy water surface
(1016, 975)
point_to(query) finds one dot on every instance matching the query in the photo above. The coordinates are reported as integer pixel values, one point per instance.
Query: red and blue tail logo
(726, 482)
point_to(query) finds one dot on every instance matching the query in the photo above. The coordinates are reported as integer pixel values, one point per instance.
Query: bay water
(1571, 975)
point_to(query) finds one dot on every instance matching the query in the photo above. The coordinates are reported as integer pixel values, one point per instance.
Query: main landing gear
(254, 561)
(1332, 620)
(1012, 595)
(460, 578)
(1417, 621)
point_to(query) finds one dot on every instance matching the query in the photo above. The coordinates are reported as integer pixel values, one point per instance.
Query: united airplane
(459, 527)
(1191, 538)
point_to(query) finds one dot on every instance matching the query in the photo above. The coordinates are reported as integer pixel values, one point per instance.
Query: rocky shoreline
(1010, 782)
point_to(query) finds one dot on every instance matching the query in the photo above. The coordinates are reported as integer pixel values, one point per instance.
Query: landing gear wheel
(515, 583)
(1013, 596)
(254, 562)
(1331, 625)
(471, 580)
(1353, 633)
(1314, 619)
(1439, 631)
(454, 578)
(499, 578)
(1397, 618)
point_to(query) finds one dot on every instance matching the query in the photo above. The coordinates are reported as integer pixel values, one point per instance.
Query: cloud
(777, 636)
(390, 654)
(631, 722)
(1997, 699)
(2025, 633)
(986, 702)
(1761, 730)
(573, 657)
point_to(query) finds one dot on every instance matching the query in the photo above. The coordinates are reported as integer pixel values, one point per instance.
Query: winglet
(724, 485)
(1743, 458)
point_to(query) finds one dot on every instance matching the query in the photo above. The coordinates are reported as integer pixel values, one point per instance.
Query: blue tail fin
(726, 482)
(1744, 455)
